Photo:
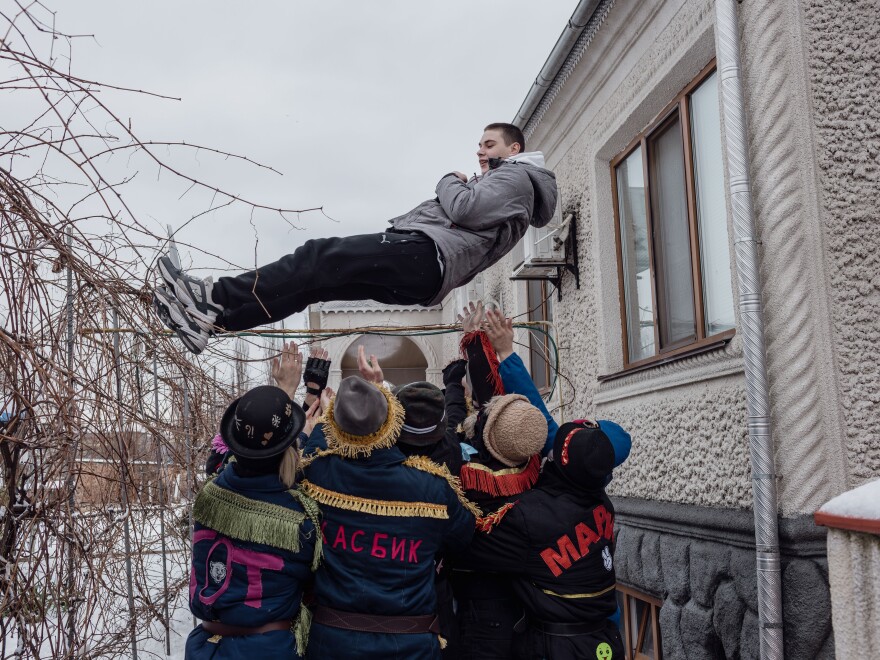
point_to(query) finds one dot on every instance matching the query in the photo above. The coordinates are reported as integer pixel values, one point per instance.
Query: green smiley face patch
(603, 651)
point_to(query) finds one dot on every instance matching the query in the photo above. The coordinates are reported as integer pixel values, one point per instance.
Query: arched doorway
(401, 360)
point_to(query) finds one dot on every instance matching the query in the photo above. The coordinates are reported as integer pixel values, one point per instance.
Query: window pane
(672, 248)
(637, 613)
(711, 209)
(648, 642)
(539, 310)
(635, 257)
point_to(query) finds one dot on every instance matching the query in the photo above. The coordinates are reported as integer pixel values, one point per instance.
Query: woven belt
(565, 629)
(217, 628)
(398, 625)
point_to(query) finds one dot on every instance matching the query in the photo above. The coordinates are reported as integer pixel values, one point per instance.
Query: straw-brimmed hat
(362, 417)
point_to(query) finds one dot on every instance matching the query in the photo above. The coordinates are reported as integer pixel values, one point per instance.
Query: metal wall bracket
(555, 272)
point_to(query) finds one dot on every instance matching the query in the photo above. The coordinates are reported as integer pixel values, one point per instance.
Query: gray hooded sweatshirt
(476, 223)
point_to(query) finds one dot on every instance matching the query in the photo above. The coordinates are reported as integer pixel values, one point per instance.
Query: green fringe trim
(242, 518)
(425, 464)
(314, 514)
(301, 628)
(355, 446)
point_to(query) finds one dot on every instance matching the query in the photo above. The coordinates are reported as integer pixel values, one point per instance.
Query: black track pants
(394, 268)
(604, 644)
(485, 628)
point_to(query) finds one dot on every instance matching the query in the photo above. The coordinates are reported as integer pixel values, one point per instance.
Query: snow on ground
(101, 584)
(181, 620)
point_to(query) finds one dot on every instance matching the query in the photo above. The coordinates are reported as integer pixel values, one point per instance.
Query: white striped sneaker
(174, 315)
(194, 294)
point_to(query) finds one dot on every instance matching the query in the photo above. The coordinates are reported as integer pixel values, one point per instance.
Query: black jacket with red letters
(557, 542)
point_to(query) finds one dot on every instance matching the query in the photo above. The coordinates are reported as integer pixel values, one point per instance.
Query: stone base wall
(701, 562)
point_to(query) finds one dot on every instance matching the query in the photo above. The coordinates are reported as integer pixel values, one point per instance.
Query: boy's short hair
(511, 134)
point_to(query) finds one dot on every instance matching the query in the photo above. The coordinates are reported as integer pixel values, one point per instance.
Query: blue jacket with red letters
(254, 546)
(385, 519)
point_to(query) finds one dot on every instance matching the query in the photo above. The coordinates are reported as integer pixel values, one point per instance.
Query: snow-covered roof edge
(349, 306)
(856, 510)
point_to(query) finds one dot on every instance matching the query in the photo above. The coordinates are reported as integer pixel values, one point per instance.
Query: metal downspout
(752, 323)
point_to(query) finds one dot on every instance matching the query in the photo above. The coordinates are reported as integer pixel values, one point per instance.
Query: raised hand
(370, 369)
(454, 371)
(500, 333)
(326, 397)
(313, 414)
(317, 370)
(287, 368)
(471, 317)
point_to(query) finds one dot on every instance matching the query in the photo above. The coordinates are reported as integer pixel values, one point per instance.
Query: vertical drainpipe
(752, 323)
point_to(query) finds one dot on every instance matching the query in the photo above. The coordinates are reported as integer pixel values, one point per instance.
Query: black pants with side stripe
(392, 268)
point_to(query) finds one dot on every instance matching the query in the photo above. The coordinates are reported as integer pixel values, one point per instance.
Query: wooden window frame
(679, 107)
(653, 604)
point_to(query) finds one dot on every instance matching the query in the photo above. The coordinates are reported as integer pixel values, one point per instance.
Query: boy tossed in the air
(438, 246)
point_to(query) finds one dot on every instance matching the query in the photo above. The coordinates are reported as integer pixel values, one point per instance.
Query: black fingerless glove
(454, 371)
(316, 371)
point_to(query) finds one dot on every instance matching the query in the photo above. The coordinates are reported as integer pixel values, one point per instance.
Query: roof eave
(564, 49)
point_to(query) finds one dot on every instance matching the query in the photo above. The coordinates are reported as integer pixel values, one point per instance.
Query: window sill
(711, 344)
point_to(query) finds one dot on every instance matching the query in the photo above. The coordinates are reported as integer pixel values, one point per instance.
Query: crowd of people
(407, 522)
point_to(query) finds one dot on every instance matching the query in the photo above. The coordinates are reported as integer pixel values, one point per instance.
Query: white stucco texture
(811, 76)
(687, 420)
(685, 449)
(844, 78)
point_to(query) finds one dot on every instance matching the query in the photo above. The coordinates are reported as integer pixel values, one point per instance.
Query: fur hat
(424, 406)
(514, 429)
(262, 423)
(362, 417)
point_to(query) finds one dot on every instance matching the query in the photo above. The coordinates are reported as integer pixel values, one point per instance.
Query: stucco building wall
(811, 75)
(854, 563)
(363, 314)
(815, 192)
(843, 71)
(808, 421)
(688, 417)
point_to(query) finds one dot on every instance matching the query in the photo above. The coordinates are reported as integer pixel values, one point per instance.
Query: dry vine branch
(97, 460)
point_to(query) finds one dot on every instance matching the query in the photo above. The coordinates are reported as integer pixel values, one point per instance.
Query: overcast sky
(361, 105)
